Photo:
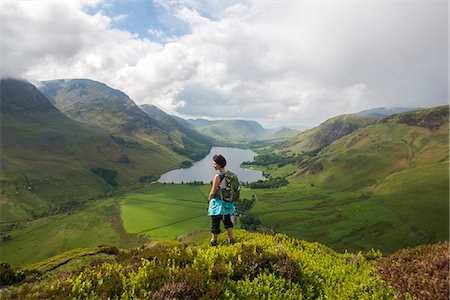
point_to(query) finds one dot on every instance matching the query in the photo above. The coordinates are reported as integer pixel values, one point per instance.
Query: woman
(218, 208)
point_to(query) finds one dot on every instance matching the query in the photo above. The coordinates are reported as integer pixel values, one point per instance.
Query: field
(170, 211)
(391, 216)
(160, 212)
(166, 212)
(97, 224)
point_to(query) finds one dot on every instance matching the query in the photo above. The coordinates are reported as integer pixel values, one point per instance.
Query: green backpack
(230, 187)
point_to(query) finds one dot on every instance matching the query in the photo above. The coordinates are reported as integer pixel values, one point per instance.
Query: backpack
(229, 187)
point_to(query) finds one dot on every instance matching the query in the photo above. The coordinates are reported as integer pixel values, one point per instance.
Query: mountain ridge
(239, 130)
(112, 110)
(326, 133)
(50, 160)
(385, 184)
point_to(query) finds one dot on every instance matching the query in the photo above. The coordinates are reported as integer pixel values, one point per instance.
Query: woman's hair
(220, 160)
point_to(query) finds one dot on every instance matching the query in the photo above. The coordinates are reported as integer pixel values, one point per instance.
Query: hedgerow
(258, 266)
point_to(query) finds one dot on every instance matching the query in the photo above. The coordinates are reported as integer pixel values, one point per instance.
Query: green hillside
(51, 162)
(233, 130)
(324, 134)
(196, 145)
(256, 267)
(97, 104)
(385, 185)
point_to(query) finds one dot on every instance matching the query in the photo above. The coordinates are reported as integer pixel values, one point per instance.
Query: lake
(202, 170)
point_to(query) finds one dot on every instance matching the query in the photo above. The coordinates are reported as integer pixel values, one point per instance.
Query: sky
(281, 63)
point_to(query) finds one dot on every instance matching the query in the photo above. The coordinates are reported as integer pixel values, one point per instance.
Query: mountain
(384, 185)
(239, 130)
(401, 142)
(382, 112)
(281, 133)
(324, 134)
(230, 130)
(49, 160)
(177, 127)
(203, 122)
(18, 98)
(97, 104)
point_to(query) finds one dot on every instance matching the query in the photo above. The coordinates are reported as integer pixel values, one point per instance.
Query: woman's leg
(229, 226)
(215, 228)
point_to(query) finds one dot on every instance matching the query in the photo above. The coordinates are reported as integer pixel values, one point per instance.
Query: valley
(353, 183)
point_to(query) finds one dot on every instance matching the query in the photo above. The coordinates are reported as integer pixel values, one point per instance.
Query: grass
(387, 190)
(46, 161)
(257, 266)
(407, 208)
(384, 187)
(97, 224)
(169, 211)
(166, 212)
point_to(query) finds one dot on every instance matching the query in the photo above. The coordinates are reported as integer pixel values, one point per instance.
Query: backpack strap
(222, 177)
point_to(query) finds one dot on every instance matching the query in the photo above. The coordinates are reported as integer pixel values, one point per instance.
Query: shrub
(108, 175)
(422, 272)
(258, 266)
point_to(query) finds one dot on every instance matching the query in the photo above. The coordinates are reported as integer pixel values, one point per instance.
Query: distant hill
(203, 122)
(281, 133)
(177, 127)
(231, 130)
(385, 185)
(49, 160)
(324, 134)
(169, 121)
(97, 104)
(382, 112)
(398, 142)
(239, 130)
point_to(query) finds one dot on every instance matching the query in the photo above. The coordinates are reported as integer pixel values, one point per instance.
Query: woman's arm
(214, 186)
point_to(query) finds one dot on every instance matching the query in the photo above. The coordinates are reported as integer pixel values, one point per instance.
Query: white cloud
(353, 95)
(275, 62)
(119, 18)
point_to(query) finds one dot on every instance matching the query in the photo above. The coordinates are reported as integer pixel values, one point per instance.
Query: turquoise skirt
(220, 207)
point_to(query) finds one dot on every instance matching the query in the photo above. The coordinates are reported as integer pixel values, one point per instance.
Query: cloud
(275, 62)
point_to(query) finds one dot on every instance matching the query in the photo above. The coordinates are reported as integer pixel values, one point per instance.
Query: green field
(166, 212)
(408, 208)
(170, 211)
(97, 224)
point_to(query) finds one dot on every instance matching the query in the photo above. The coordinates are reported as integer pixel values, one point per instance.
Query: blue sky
(145, 18)
(281, 63)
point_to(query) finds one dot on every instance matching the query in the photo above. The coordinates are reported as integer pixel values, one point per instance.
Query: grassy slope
(169, 211)
(384, 186)
(325, 133)
(233, 130)
(52, 155)
(160, 212)
(99, 223)
(166, 212)
(256, 267)
(99, 105)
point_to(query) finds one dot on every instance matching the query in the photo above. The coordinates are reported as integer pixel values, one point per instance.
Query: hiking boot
(213, 243)
(232, 241)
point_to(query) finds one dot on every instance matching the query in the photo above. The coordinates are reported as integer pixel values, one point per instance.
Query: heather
(258, 266)
(421, 272)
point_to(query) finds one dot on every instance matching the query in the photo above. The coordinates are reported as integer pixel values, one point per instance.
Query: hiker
(219, 209)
